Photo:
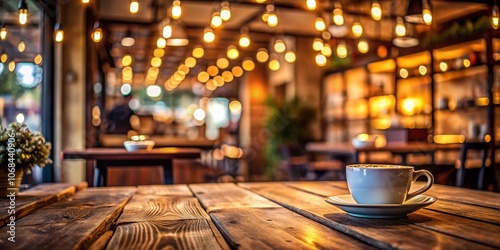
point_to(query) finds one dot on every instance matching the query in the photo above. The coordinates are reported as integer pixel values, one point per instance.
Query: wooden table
(396, 148)
(105, 157)
(289, 215)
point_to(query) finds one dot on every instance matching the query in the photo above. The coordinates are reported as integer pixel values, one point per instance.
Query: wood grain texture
(158, 208)
(227, 195)
(35, 198)
(101, 243)
(182, 234)
(278, 228)
(484, 214)
(396, 233)
(74, 223)
(165, 190)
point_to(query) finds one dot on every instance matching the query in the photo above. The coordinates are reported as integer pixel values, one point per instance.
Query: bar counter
(278, 215)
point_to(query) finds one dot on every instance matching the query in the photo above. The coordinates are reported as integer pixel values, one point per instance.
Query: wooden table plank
(173, 234)
(165, 190)
(396, 233)
(74, 223)
(227, 195)
(34, 198)
(278, 228)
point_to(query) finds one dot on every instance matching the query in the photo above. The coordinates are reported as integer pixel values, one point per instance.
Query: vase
(9, 184)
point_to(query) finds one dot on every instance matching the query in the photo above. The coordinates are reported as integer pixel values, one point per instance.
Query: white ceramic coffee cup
(384, 184)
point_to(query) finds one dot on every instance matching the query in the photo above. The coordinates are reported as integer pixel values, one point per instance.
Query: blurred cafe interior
(268, 90)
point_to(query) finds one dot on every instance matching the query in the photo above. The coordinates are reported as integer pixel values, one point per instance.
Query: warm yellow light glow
(208, 35)
(317, 44)
(232, 52)
(85, 1)
(212, 70)
(225, 12)
(466, 63)
(427, 16)
(376, 11)
(443, 66)
(319, 24)
(198, 52)
(235, 107)
(422, 70)
(3, 33)
(216, 21)
(237, 71)
(127, 60)
(167, 31)
(272, 20)
(311, 4)
(222, 63)
(446, 139)
(21, 46)
(341, 50)
(403, 73)
(244, 40)
(338, 17)
(227, 76)
(156, 62)
(183, 68)
(320, 60)
(23, 16)
(410, 106)
(363, 137)
(190, 62)
(265, 16)
(326, 50)
(158, 52)
(4, 58)
(357, 29)
(203, 76)
(176, 9)
(97, 35)
(400, 27)
(161, 43)
(210, 85)
(134, 6)
(248, 64)
(38, 59)
(59, 35)
(279, 46)
(363, 46)
(219, 81)
(199, 114)
(12, 66)
(262, 55)
(290, 56)
(274, 64)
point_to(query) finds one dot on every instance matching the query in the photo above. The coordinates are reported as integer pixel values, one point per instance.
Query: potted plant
(20, 151)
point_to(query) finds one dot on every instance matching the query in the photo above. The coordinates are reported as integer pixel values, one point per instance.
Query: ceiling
(294, 20)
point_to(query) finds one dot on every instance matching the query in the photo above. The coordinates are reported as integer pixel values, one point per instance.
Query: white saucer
(347, 203)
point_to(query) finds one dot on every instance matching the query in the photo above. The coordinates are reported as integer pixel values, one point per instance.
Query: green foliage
(288, 124)
(30, 148)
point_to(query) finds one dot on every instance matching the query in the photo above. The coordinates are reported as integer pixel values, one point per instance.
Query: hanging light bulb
(320, 59)
(262, 55)
(272, 20)
(12, 66)
(338, 16)
(260, 1)
(134, 6)
(3, 58)
(225, 11)
(222, 63)
(279, 46)
(97, 34)
(21, 46)
(376, 11)
(176, 9)
(357, 29)
(216, 20)
(317, 44)
(320, 24)
(400, 27)
(3, 32)
(85, 1)
(341, 50)
(426, 13)
(326, 50)
(232, 52)
(167, 31)
(274, 63)
(208, 35)
(290, 56)
(363, 46)
(161, 43)
(38, 59)
(127, 60)
(311, 4)
(23, 12)
(244, 40)
(198, 52)
(58, 33)
(248, 64)
(495, 17)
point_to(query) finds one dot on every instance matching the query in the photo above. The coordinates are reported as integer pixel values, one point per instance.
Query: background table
(105, 157)
(290, 215)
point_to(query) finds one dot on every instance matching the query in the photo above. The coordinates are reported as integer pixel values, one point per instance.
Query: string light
(225, 11)
(21, 46)
(326, 50)
(338, 16)
(161, 43)
(23, 12)
(319, 24)
(376, 11)
(167, 31)
(198, 52)
(426, 13)
(216, 20)
(341, 50)
(290, 56)
(357, 29)
(317, 44)
(311, 4)
(134, 6)
(97, 34)
(494, 17)
(58, 33)
(232, 52)
(248, 64)
(279, 46)
(262, 55)
(244, 40)
(363, 46)
(85, 1)
(270, 16)
(3, 32)
(176, 9)
(208, 35)
(320, 60)
(274, 63)
(400, 27)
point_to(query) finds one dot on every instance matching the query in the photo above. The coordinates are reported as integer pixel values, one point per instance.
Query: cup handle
(430, 180)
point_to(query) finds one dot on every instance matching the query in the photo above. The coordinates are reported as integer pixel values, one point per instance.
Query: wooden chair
(466, 165)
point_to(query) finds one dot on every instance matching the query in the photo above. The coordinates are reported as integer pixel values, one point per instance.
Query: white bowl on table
(132, 146)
